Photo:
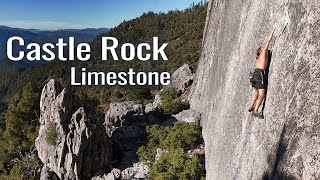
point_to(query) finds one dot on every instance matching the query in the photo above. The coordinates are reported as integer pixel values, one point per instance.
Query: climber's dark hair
(258, 52)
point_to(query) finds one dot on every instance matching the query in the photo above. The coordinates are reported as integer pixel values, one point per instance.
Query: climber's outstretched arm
(266, 47)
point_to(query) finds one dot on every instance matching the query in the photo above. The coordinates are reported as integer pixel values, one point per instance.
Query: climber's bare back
(262, 60)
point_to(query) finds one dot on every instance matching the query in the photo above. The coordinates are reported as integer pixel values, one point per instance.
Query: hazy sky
(59, 14)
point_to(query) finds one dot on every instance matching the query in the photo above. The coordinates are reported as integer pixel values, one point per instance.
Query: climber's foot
(258, 114)
(251, 109)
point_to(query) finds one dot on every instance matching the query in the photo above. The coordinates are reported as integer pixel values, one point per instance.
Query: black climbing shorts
(258, 79)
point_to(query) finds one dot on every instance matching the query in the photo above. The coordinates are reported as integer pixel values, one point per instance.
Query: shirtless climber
(258, 79)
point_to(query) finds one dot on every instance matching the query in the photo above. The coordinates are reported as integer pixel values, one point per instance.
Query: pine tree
(22, 122)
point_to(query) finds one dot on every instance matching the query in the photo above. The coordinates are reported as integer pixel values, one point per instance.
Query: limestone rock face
(126, 123)
(80, 146)
(152, 106)
(137, 171)
(121, 112)
(286, 144)
(47, 174)
(182, 78)
(115, 174)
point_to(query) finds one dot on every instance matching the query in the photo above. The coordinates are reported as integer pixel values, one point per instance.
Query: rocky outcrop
(113, 175)
(284, 145)
(122, 112)
(181, 78)
(126, 124)
(47, 174)
(70, 144)
(137, 171)
(189, 116)
(153, 106)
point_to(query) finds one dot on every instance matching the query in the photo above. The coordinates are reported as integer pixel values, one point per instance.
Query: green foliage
(5, 158)
(176, 165)
(21, 128)
(177, 140)
(22, 121)
(25, 169)
(140, 95)
(182, 30)
(183, 135)
(171, 102)
(51, 134)
(156, 135)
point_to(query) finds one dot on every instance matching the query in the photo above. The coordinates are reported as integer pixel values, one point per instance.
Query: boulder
(122, 112)
(137, 171)
(181, 78)
(115, 174)
(189, 116)
(79, 145)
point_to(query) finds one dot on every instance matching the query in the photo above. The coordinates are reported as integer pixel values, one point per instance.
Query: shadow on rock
(276, 174)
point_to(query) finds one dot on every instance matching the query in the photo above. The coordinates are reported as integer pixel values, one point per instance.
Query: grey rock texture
(126, 123)
(137, 171)
(82, 147)
(122, 112)
(115, 174)
(189, 116)
(181, 78)
(152, 106)
(127, 140)
(47, 174)
(286, 144)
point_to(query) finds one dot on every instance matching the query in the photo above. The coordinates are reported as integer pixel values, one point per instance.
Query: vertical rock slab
(284, 145)
(77, 146)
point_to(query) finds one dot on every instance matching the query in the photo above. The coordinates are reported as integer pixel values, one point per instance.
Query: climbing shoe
(251, 109)
(258, 114)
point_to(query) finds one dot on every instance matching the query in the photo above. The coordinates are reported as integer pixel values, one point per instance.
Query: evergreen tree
(22, 121)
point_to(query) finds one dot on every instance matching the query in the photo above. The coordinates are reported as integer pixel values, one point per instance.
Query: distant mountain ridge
(46, 36)
(95, 31)
(182, 30)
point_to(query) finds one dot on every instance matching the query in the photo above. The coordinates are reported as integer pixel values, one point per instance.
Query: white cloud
(45, 25)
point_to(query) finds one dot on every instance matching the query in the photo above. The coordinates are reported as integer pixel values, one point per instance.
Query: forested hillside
(181, 29)
(43, 36)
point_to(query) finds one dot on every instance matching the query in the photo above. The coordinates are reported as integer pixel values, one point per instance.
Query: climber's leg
(254, 99)
(262, 95)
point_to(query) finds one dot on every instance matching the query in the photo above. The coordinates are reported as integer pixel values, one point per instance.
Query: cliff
(285, 144)
(70, 144)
